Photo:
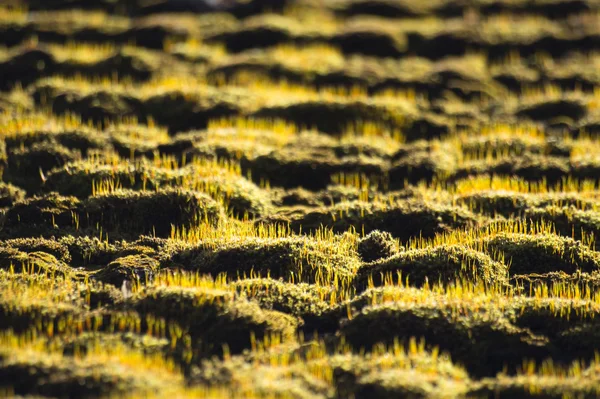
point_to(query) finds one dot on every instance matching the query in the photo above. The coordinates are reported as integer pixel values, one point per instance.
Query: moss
(545, 111)
(98, 107)
(37, 262)
(26, 167)
(385, 8)
(214, 317)
(377, 245)
(529, 167)
(24, 308)
(516, 145)
(80, 140)
(483, 340)
(332, 194)
(312, 171)
(304, 301)
(135, 212)
(25, 67)
(130, 63)
(420, 161)
(181, 113)
(300, 259)
(98, 295)
(86, 251)
(444, 264)
(29, 371)
(568, 221)
(536, 386)
(334, 117)
(403, 219)
(10, 194)
(543, 253)
(239, 195)
(78, 178)
(494, 203)
(370, 41)
(256, 33)
(134, 269)
(30, 245)
(88, 342)
(40, 215)
(396, 374)
(529, 206)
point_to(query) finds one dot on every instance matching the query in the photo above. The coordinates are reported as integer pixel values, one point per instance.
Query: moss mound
(40, 215)
(465, 336)
(443, 264)
(377, 245)
(30, 371)
(10, 194)
(307, 302)
(135, 212)
(568, 221)
(34, 262)
(538, 386)
(86, 251)
(397, 374)
(311, 168)
(403, 219)
(30, 245)
(26, 167)
(298, 259)
(543, 253)
(132, 269)
(214, 317)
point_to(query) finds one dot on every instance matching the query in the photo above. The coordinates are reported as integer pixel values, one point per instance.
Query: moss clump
(239, 195)
(78, 178)
(82, 140)
(30, 245)
(143, 212)
(181, 113)
(304, 301)
(574, 109)
(529, 167)
(403, 219)
(529, 283)
(302, 197)
(513, 204)
(377, 245)
(421, 161)
(531, 386)
(45, 215)
(543, 253)
(494, 203)
(310, 169)
(299, 259)
(10, 194)
(568, 221)
(38, 302)
(26, 167)
(214, 317)
(90, 342)
(395, 373)
(86, 251)
(98, 295)
(481, 339)
(98, 106)
(34, 262)
(31, 370)
(334, 117)
(134, 269)
(443, 264)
